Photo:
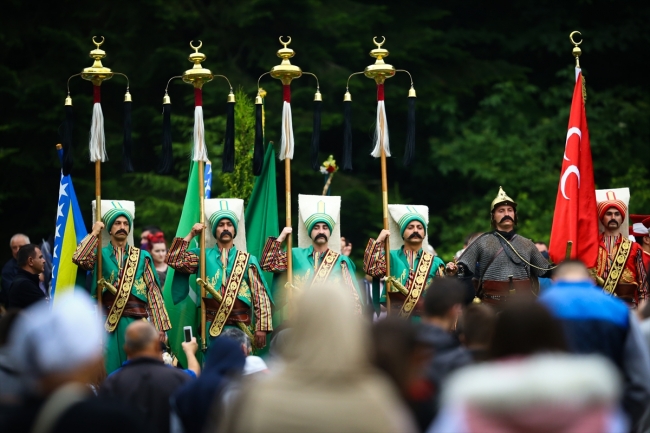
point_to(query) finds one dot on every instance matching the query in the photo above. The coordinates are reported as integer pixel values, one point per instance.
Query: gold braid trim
(125, 285)
(232, 288)
(325, 268)
(618, 266)
(418, 286)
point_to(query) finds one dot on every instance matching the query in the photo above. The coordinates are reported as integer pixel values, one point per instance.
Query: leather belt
(240, 312)
(397, 300)
(496, 292)
(626, 292)
(134, 308)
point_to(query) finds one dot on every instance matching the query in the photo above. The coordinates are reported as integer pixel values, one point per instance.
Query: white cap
(319, 208)
(254, 364)
(59, 340)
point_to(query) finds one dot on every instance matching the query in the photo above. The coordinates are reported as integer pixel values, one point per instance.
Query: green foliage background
(494, 83)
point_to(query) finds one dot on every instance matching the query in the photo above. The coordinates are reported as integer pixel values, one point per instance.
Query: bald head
(141, 340)
(571, 270)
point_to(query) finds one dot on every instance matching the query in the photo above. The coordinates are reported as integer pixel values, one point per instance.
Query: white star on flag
(57, 234)
(62, 190)
(59, 212)
(55, 255)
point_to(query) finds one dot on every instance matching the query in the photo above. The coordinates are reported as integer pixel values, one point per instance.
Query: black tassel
(228, 159)
(347, 135)
(409, 151)
(258, 151)
(66, 140)
(127, 162)
(166, 156)
(315, 135)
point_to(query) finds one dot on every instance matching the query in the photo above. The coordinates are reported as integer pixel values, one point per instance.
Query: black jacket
(146, 384)
(24, 290)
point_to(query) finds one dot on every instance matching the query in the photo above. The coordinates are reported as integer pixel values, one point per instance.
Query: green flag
(262, 209)
(184, 310)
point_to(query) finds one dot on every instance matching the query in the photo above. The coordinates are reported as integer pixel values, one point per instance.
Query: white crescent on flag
(571, 131)
(571, 169)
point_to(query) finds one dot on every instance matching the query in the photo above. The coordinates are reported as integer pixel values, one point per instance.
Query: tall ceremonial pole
(197, 77)
(286, 73)
(380, 71)
(97, 74)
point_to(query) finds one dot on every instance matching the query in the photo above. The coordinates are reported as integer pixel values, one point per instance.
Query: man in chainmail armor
(500, 263)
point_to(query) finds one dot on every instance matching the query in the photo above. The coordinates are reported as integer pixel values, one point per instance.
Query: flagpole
(384, 197)
(287, 190)
(202, 252)
(98, 218)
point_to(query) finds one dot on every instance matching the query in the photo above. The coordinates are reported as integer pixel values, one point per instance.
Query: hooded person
(229, 269)
(131, 289)
(196, 401)
(620, 268)
(326, 383)
(501, 263)
(318, 259)
(58, 352)
(411, 266)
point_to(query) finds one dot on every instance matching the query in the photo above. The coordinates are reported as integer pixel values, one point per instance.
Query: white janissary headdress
(400, 215)
(614, 197)
(111, 209)
(217, 209)
(313, 209)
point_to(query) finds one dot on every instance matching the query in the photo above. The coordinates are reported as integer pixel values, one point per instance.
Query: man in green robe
(412, 268)
(317, 260)
(131, 290)
(232, 274)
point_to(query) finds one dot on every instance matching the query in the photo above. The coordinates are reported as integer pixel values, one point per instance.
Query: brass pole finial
(379, 44)
(576, 49)
(285, 71)
(97, 73)
(198, 75)
(380, 70)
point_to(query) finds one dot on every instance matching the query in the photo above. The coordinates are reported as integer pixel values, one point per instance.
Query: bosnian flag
(575, 218)
(69, 232)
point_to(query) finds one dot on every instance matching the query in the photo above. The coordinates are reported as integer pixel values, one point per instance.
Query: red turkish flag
(575, 218)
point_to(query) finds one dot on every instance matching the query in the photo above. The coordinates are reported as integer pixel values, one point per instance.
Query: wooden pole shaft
(384, 198)
(98, 217)
(287, 179)
(204, 336)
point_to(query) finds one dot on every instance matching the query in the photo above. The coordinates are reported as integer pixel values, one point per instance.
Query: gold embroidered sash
(232, 288)
(418, 285)
(325, 268)
(124, 289)
(618, 266)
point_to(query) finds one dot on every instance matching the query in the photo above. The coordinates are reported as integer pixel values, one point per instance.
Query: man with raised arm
(131, 290)
(237, 294)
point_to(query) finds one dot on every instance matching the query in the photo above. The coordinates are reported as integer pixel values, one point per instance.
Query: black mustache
(613, 221)
(121, 231)
(320, 235)
(415, 235)
(225, 232)
(505, 218)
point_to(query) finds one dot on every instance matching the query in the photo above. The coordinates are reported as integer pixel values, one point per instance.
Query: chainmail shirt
(475, 260)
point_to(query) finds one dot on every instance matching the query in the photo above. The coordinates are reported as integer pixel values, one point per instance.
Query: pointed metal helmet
(502, 198)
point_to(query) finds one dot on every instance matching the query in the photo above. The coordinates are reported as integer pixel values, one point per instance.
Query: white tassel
(286, 143)
(381, 132)
(199, 151)
(97, 144)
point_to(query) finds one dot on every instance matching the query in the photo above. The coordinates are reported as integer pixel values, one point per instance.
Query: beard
(225, 233)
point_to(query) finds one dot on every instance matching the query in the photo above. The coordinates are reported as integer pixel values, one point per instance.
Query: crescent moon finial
(285, 43)
(573, 33)
(197, 48)
(99, 44)
(379, 44)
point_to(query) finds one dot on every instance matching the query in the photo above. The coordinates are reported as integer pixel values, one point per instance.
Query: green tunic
(115, 355)
(399, 268)
(303, 273)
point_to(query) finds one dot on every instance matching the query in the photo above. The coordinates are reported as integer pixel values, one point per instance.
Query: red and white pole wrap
(199, 150)
(381, 128)
(287, 142)
(97, 144)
